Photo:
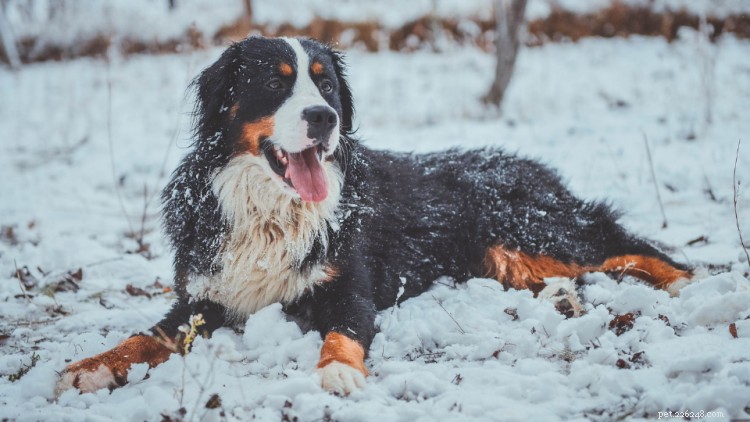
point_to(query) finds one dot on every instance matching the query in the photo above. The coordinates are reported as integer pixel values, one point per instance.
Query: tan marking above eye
(317, 68)
(253, 132)
(286, 69)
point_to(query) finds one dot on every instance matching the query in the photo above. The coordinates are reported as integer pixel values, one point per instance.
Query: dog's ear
(216, 91)
(345, 93)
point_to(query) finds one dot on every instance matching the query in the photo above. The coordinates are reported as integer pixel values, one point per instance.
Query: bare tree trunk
(249, 9)
(509, 15)
(8, 44)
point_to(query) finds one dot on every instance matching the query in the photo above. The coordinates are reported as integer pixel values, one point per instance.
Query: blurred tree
(249, 8)
(8, 41)
(509, 19)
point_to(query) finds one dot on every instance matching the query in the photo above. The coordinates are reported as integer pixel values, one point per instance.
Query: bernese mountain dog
(278, 202)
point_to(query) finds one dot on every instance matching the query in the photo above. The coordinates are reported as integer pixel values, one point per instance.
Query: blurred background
(63, 29)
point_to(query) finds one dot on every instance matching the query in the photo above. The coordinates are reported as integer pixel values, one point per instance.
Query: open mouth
(303, 171)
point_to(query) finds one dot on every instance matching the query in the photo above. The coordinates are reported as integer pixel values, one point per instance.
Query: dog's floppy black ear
(345, 93)
(215, 89)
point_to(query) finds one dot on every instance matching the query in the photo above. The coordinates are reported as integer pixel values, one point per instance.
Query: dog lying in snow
(277, 202)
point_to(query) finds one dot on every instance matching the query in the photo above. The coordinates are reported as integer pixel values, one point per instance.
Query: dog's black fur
(404, 218)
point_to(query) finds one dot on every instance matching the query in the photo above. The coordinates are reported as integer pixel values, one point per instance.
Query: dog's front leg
(110, 369)
(344, 313)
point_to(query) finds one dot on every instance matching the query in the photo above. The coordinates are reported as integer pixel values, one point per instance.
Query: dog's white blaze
(290, 130)
(271, 233)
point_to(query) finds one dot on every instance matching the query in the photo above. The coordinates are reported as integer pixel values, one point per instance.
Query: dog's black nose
(320, 122)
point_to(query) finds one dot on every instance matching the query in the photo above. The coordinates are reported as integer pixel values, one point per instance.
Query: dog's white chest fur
(271, 233)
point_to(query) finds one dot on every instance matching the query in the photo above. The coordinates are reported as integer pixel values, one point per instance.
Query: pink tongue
(307, 175)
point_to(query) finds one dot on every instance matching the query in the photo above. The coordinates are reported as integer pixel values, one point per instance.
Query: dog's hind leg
(655, 270)
(518, 270)
(110, 369)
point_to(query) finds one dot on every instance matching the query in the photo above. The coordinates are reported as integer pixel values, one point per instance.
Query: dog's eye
(274, 84)
(326, 86)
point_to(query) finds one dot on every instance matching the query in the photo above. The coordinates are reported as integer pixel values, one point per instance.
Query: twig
(656, 183)
(142, 232)
(111, 148)
(23, 289)
(202, 385)
(709, 190)
(103, 261)
(163, 168)
(24, 368)
(700, 239)
(449, 314)
(735, 184)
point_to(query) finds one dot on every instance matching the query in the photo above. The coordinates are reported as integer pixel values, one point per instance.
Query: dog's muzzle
(321, 120)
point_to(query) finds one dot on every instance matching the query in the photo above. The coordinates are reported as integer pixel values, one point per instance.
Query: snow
(453, 353)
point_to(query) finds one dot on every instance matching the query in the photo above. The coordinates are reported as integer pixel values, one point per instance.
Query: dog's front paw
(340, 378)
(341, 366)
(87, 376)
(110, 369)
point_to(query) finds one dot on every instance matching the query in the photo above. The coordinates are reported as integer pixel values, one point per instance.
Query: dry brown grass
(617, 20)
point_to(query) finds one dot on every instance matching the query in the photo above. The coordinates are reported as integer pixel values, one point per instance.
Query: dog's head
(285, 103)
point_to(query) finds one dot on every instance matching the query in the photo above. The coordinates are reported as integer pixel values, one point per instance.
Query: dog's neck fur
(270, 235)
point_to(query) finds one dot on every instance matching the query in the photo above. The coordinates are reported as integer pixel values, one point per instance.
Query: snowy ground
(583, 108)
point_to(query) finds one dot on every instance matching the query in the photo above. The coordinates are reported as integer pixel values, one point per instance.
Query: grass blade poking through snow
(735, 185)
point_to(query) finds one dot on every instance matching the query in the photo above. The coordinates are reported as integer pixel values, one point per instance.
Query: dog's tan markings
(253, 132)
(331, 272)
(317, 68)
(521, 271)
(340, 348)
(112, 366)
(650, 269)
(286, 69)
(233, 110)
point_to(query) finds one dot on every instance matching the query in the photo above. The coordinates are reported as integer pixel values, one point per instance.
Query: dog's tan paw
(86, 380)
(562, 294)
(341, 366)
(340, 378)
(110, 369)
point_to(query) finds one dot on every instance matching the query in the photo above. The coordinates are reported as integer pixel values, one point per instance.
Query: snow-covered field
(70, 132)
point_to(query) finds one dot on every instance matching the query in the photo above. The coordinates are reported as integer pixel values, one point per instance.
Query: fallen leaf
(26, 277)
(622, 323)
(213, 402)
(733, 330)
(512, 312)
(136, 291)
